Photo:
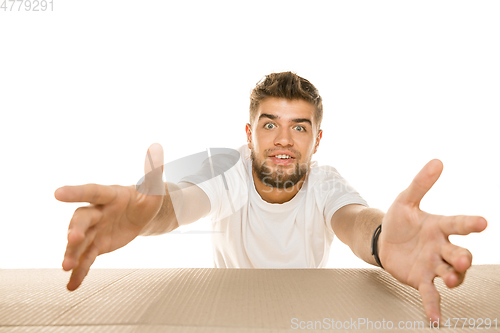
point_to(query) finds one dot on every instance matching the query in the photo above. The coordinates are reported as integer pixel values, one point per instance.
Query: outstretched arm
(354, 225)
(183, 203)
(118, 214)
(414, 245)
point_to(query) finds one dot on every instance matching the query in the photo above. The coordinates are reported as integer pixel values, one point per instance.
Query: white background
(85, 89)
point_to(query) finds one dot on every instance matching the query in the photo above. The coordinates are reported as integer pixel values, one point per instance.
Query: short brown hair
(286, 85)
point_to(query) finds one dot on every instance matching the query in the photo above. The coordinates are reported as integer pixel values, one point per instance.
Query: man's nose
(283, 138)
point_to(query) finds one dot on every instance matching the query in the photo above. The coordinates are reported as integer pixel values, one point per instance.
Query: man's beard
(280, 178)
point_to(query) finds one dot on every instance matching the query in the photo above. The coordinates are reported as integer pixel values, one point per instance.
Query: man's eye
(300, 128)
(269, 126)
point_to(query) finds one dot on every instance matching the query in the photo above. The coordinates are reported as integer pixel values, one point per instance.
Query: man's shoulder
(323, 172)
(326, 181)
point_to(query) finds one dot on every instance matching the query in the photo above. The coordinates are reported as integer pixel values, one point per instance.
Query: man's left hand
(414, 245)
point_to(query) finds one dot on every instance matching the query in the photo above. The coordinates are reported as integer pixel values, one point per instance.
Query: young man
(274, 208)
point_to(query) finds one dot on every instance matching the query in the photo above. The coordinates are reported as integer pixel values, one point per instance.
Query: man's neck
(276, 195)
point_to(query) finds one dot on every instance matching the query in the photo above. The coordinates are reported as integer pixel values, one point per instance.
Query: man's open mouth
(282, 159)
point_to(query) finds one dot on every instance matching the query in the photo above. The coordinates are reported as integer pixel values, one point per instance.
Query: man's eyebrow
(298, 120)
(267, 115)
(302, 120)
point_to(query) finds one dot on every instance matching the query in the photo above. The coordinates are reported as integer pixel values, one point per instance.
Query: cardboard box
(237, 300)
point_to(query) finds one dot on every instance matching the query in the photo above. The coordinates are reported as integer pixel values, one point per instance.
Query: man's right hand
(115, 216)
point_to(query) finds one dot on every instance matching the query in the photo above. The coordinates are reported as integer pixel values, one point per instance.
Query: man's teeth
(283, 156)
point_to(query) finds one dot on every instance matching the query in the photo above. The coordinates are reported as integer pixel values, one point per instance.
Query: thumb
(422, 183)
(153, 172)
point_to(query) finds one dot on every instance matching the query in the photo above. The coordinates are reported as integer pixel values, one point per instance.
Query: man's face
(282, 140)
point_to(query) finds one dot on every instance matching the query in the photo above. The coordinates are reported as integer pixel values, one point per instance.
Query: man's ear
(248, 130)
(318, 139)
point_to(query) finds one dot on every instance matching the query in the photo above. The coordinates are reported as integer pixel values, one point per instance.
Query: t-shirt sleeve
(338, 193)
(211, 187)
(219, 177)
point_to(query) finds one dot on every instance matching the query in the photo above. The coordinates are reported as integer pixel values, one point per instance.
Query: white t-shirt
(249, 232)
